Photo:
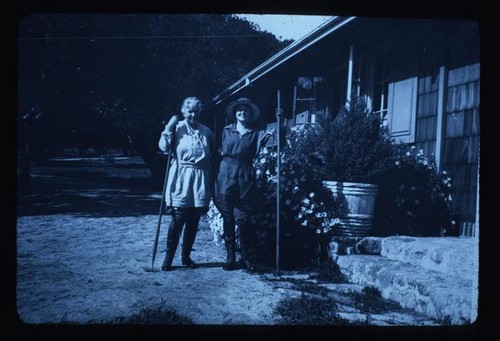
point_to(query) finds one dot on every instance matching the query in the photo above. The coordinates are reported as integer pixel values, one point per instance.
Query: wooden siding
(462, 150)
(462, 135)
(427, 106)
(463, 75)
(428, 148)
(463, 96)
(426, 129)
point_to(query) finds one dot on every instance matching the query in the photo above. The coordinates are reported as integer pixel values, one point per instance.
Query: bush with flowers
(415, 198)
(214, 219)
(308, 211)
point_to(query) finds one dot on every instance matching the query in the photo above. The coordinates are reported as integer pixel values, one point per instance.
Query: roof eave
(293, 49)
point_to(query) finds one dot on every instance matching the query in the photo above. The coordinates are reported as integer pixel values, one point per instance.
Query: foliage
(214, 219)
(415, 198)
(306, 310)
(330, 272)
(113, 79)
(306, 201)
(153, 316)
(355, 146)
(370, 300)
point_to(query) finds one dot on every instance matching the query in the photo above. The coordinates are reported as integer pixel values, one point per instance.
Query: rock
(369, 246)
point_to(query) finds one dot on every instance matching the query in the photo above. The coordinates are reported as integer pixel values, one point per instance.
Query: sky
(286, 26)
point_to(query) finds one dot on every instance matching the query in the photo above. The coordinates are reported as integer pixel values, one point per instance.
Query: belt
(202, 165)
(235, 161)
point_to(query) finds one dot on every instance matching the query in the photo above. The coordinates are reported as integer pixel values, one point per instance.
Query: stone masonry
(431, 275)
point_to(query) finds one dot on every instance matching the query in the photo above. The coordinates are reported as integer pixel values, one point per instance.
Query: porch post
(294, 109)
(441, 112)
(349, 74)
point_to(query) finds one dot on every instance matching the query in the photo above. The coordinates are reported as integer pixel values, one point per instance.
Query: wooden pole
(162, 203)
(171, 151)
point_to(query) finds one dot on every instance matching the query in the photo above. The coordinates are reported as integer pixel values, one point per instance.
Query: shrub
(355, 146)
(415, 198)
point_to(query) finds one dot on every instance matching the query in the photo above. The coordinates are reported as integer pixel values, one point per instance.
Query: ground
(85, 238)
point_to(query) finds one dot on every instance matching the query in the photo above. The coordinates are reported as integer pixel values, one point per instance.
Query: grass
(371, 301)
(164, 316)
(307, 310)
(330, 272)
(314, 306)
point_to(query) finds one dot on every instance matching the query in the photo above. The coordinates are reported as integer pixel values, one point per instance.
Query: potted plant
(356, 150)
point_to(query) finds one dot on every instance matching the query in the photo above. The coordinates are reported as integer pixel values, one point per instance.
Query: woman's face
(191, 113)
(242, 113)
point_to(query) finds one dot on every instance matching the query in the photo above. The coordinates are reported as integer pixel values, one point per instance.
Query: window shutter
(402, 109)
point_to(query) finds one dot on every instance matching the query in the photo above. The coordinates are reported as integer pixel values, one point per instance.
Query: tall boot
(169, 254)
(244, 247)
(188, 241)
(231, 253)
(172, 241)
(230, 241)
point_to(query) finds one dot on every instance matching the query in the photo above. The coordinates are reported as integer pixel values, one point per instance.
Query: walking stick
(278, 173)
(160, 215)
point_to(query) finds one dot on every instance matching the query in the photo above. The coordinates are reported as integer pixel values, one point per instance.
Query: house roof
(293, 49)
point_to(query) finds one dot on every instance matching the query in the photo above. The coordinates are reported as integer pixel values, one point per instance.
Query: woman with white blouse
(191, 177)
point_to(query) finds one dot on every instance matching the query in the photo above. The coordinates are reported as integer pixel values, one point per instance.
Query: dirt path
(73, 269)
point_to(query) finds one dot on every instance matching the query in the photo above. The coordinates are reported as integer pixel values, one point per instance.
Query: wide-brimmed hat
(254, 109)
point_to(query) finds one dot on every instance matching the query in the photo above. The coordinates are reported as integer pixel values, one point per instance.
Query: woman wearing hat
(190, 179)
(234, 184)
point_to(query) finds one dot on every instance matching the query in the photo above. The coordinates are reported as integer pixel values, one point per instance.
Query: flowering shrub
(308, 210)
(415, 199)
(305, 201)
(215, 223)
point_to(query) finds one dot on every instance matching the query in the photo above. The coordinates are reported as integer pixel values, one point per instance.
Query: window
(380, 89)
(370, 80)
(307, 98)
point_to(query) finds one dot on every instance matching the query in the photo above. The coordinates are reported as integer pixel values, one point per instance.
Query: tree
(114, 79)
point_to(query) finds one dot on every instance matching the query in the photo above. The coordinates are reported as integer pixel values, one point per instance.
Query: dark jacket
(236, 175)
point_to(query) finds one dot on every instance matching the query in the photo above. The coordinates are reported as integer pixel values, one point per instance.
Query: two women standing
(191, 177)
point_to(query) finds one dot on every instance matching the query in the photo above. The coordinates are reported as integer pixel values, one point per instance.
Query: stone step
(457, 255)
(443, 295)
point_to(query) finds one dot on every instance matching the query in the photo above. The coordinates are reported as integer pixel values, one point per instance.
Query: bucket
(359, 202)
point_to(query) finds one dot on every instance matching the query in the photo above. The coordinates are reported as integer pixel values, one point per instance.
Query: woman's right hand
(170, 126)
